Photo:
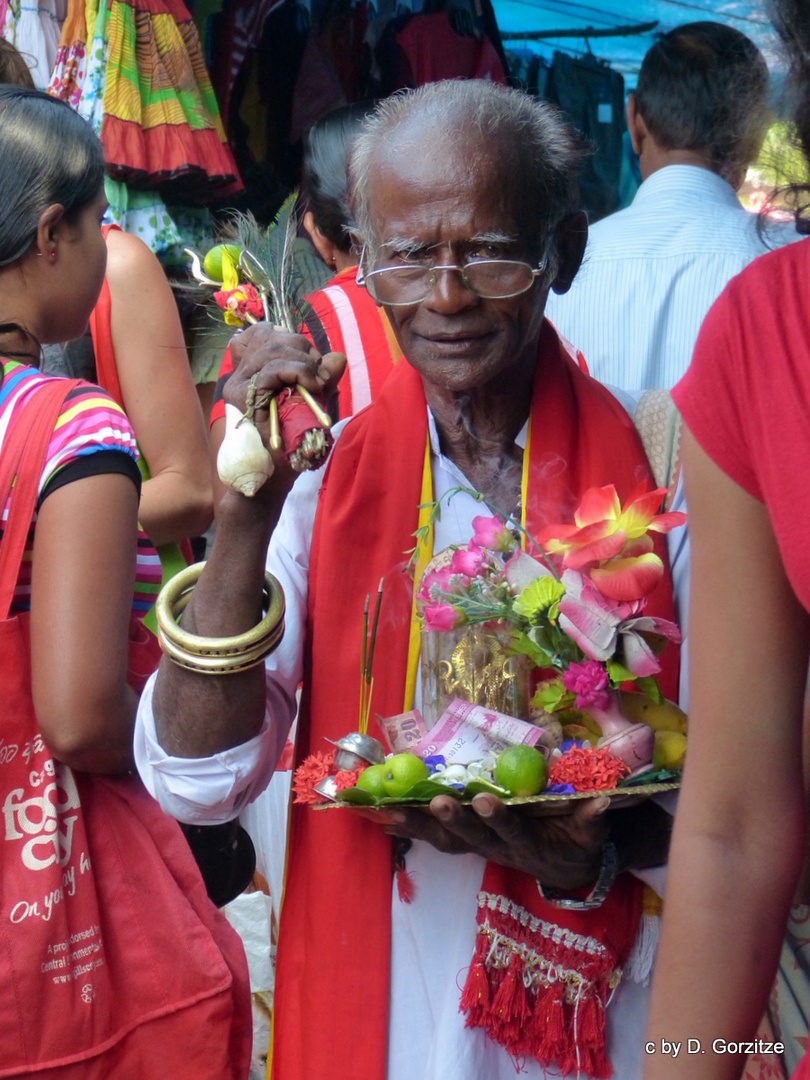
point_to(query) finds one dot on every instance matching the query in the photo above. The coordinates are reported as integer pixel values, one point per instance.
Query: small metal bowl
(356, 750)
(327, 788)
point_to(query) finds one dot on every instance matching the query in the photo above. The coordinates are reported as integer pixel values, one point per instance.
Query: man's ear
(50, 227)
(572, 236)
(636, 127)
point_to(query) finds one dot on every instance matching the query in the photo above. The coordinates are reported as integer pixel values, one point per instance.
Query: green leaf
(424, 791)
(484, 787)
(357, 796)
(618, 673)
(648, 685)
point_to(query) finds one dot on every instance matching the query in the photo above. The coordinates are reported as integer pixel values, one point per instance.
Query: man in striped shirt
(652, 271)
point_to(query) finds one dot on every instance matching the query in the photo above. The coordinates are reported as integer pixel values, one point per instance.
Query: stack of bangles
(210, 655)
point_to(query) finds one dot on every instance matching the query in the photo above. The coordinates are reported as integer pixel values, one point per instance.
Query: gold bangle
(219, 665)
(212, 655)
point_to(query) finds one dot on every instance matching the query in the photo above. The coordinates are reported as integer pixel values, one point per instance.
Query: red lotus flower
(612, 542)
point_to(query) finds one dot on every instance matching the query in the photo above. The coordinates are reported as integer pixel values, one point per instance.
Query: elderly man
(465, 198)
(653, 270)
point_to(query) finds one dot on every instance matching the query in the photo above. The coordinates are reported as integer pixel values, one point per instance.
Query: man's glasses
(492, 279)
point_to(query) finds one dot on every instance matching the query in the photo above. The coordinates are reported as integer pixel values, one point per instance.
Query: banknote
(404, 731)
(465, 732)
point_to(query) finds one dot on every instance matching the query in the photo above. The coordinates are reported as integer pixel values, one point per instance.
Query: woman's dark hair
(13, 68)
(792, 21)
(324, 183)
(48, 155)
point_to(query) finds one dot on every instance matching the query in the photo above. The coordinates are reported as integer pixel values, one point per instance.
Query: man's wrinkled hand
(278, 358)
(562, 852)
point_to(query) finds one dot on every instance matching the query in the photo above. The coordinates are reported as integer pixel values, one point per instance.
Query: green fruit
(371, 780)
(212, 263)
(521, 769)
(402, 771)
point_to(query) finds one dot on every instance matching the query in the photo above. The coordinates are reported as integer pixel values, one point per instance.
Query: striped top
(652, 271)
(91, 436)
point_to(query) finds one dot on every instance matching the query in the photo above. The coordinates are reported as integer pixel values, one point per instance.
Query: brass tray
(542, 804)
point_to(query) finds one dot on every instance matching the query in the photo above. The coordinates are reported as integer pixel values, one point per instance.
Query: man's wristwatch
(596, 897)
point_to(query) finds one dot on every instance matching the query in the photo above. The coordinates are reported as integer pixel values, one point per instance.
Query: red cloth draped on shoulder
(101, 333)
(331, 999)
(355, 326)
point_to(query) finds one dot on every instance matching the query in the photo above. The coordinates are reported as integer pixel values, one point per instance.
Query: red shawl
(331, 1000)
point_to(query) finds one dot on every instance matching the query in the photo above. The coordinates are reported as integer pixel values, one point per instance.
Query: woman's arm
(739, 830)
(159, 394)
(81, 599)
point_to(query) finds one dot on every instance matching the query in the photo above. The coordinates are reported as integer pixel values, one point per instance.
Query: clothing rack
(582, 32)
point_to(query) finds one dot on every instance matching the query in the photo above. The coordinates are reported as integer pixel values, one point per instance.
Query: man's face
(431, 202)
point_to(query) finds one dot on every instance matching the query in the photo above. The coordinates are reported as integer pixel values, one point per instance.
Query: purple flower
(441, 617)
(589, 682)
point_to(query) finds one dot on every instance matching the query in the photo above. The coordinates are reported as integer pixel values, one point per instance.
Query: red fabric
(114, 959)
(335, 922)
(746, 395)
(353, 325)
(101, 333)
(434, 51)
(149, 157)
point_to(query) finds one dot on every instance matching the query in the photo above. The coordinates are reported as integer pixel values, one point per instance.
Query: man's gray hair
(532, 137)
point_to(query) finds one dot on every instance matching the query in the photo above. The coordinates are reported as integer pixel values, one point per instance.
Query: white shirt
(434, 936)
(653, 270)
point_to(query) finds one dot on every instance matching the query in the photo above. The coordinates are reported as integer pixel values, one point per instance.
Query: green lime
(212, 263)
(371, 780)
(402, 771)
(521, 769)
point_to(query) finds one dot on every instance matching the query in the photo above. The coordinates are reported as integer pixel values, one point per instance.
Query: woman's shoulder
(88, 415)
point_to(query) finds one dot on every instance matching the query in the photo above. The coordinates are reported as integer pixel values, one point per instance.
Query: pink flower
(468, 562)
(642, 640)
(441, 617)
(491, 533)
(432, 582)
(589, 618)
(589, 682)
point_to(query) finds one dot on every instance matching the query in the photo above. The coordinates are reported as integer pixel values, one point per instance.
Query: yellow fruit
(212, 263)
(669, 750)
(521, 769)
(664, 717)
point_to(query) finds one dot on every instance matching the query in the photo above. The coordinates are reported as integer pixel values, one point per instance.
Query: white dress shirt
(653, 270)
(432, 938)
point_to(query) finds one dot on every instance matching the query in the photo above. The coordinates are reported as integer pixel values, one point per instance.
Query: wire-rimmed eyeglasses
(411, 283)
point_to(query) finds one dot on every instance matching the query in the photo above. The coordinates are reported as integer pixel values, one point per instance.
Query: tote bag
(113, 962)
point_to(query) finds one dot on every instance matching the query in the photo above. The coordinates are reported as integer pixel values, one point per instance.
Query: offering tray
(543, 805)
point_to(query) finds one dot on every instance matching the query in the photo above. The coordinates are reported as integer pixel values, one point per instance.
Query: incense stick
(367, 659)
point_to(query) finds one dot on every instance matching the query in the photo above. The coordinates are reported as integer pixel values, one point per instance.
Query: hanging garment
(593, 96)
(70, 67)
(434, 50)
(161, 122)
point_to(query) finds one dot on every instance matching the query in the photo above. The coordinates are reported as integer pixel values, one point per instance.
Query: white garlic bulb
(243, 461)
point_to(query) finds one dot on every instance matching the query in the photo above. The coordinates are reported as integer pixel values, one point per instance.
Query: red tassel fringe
(405, 886)
(536, 996)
